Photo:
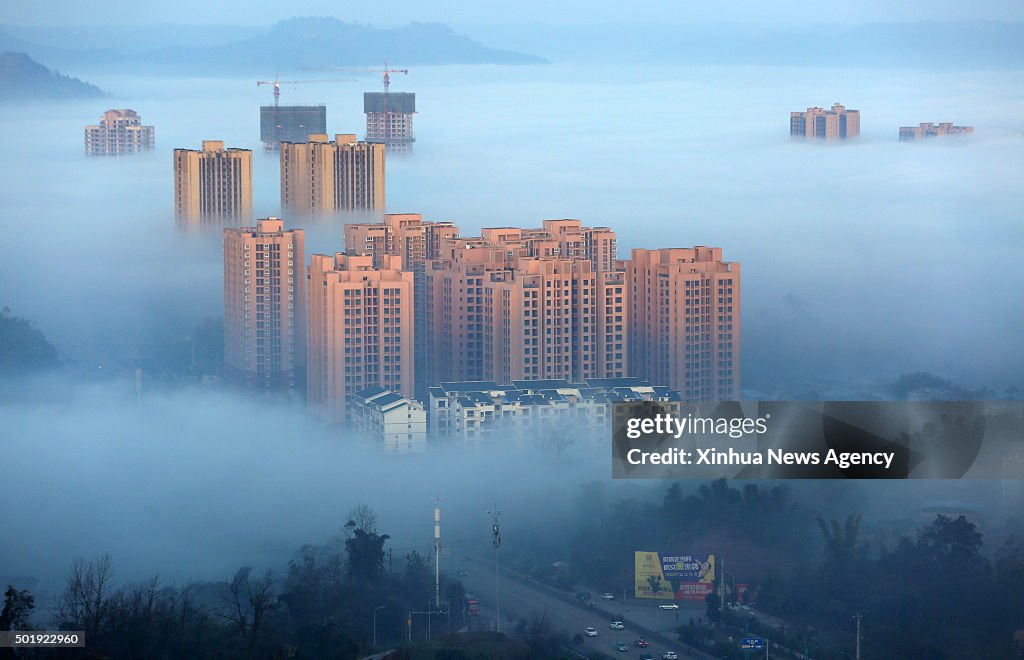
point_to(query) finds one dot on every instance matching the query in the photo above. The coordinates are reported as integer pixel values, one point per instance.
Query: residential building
(264, 307)
(360, 325)
(118, 133)
(551, 411)
(406, 235)
(290, 123)
(927, 130)
(837, 123)
(213, 185)
(321, 177)
(389, 119)
(391, 421)
(684, 321)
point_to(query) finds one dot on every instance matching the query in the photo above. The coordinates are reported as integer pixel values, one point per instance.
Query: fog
(861, 262)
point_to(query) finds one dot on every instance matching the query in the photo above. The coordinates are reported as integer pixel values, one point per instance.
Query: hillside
(22, 78)
(295, 43)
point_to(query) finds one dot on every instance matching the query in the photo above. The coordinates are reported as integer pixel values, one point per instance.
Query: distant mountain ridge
(22, 78)
(293, 43)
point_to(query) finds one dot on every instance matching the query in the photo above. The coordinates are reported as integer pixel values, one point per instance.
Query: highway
(521, 598)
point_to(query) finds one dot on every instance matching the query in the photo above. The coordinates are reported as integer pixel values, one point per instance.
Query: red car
(641, 643)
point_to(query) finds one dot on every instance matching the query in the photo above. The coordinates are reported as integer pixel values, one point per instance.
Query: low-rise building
(484, 411)
(396, 423)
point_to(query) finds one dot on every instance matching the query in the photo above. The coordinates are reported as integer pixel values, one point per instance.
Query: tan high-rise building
(508, 306)
(927, 130)
(264, 307)
(406, 235)
(360, 325)
(213, 186)
(118, 133)
(319, 177)
(837, 123)
(685, 321)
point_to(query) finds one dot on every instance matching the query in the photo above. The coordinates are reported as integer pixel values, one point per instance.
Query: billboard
(673, 576)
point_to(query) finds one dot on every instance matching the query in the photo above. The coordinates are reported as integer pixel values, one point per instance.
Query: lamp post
(375, 625)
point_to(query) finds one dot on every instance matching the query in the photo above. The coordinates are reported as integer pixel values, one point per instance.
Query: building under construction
(290, 123)
(389, 119)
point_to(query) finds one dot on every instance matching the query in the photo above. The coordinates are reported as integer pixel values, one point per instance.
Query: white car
(616, 625)
(669, 655)
(608, 596)
(669, 606)
(590, 631)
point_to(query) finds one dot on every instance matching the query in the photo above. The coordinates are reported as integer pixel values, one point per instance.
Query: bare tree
(248, 603)
(85, 600)
(363, 517)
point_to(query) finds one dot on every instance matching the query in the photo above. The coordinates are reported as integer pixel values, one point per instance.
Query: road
(522, 598)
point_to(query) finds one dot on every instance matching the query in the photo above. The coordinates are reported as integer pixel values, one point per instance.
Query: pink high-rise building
(264, 307)
(685, 321)
(360, 326)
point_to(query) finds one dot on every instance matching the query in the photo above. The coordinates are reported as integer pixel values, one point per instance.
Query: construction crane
(386, 71)
(277, 84)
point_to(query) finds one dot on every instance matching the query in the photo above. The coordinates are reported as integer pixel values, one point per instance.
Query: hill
(296, 43)
(22, 78)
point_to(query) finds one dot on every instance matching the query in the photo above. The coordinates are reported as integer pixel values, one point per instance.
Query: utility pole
(721, 591)
(858, 617)
(496, 540)
(437, 552)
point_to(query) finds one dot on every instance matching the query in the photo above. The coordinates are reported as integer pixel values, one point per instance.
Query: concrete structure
(406, 235)
(319, 177)
(118, 133)
(389, 119)
(927, 130)
(685, 321)
(290, 123)
(213, 186)
(396, 423)
(264, 307)
(551, 411)
(837, 123)
(519, 304)
(360, 325)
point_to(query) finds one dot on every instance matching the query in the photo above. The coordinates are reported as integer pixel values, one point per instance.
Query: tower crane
(277, 84)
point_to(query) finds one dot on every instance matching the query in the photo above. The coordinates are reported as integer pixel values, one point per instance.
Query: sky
(456, 12)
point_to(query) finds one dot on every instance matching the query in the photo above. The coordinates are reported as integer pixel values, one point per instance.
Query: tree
(23, 348)
(18, 606)
(248, 603)
(366, 554)
(83, 605)
(362, 517)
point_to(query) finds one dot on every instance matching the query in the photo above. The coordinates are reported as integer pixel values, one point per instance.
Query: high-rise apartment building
(319, 177)
(508, 305)
(213, 186)
(837, 123)
(406, 235)
(290, 123)
(360, 325)
(264, 307)
(685, 321)
(118, 133)
(927, 130)
(389, 119)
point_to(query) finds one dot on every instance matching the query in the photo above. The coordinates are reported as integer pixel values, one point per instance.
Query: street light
(379, 607)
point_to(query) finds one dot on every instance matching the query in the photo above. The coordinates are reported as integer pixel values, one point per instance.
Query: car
(616, 625)
(590, 631)
(669, 606)
(641, 643)
(646, 656)
(608, 596)
(669, 655)
(621, 648)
